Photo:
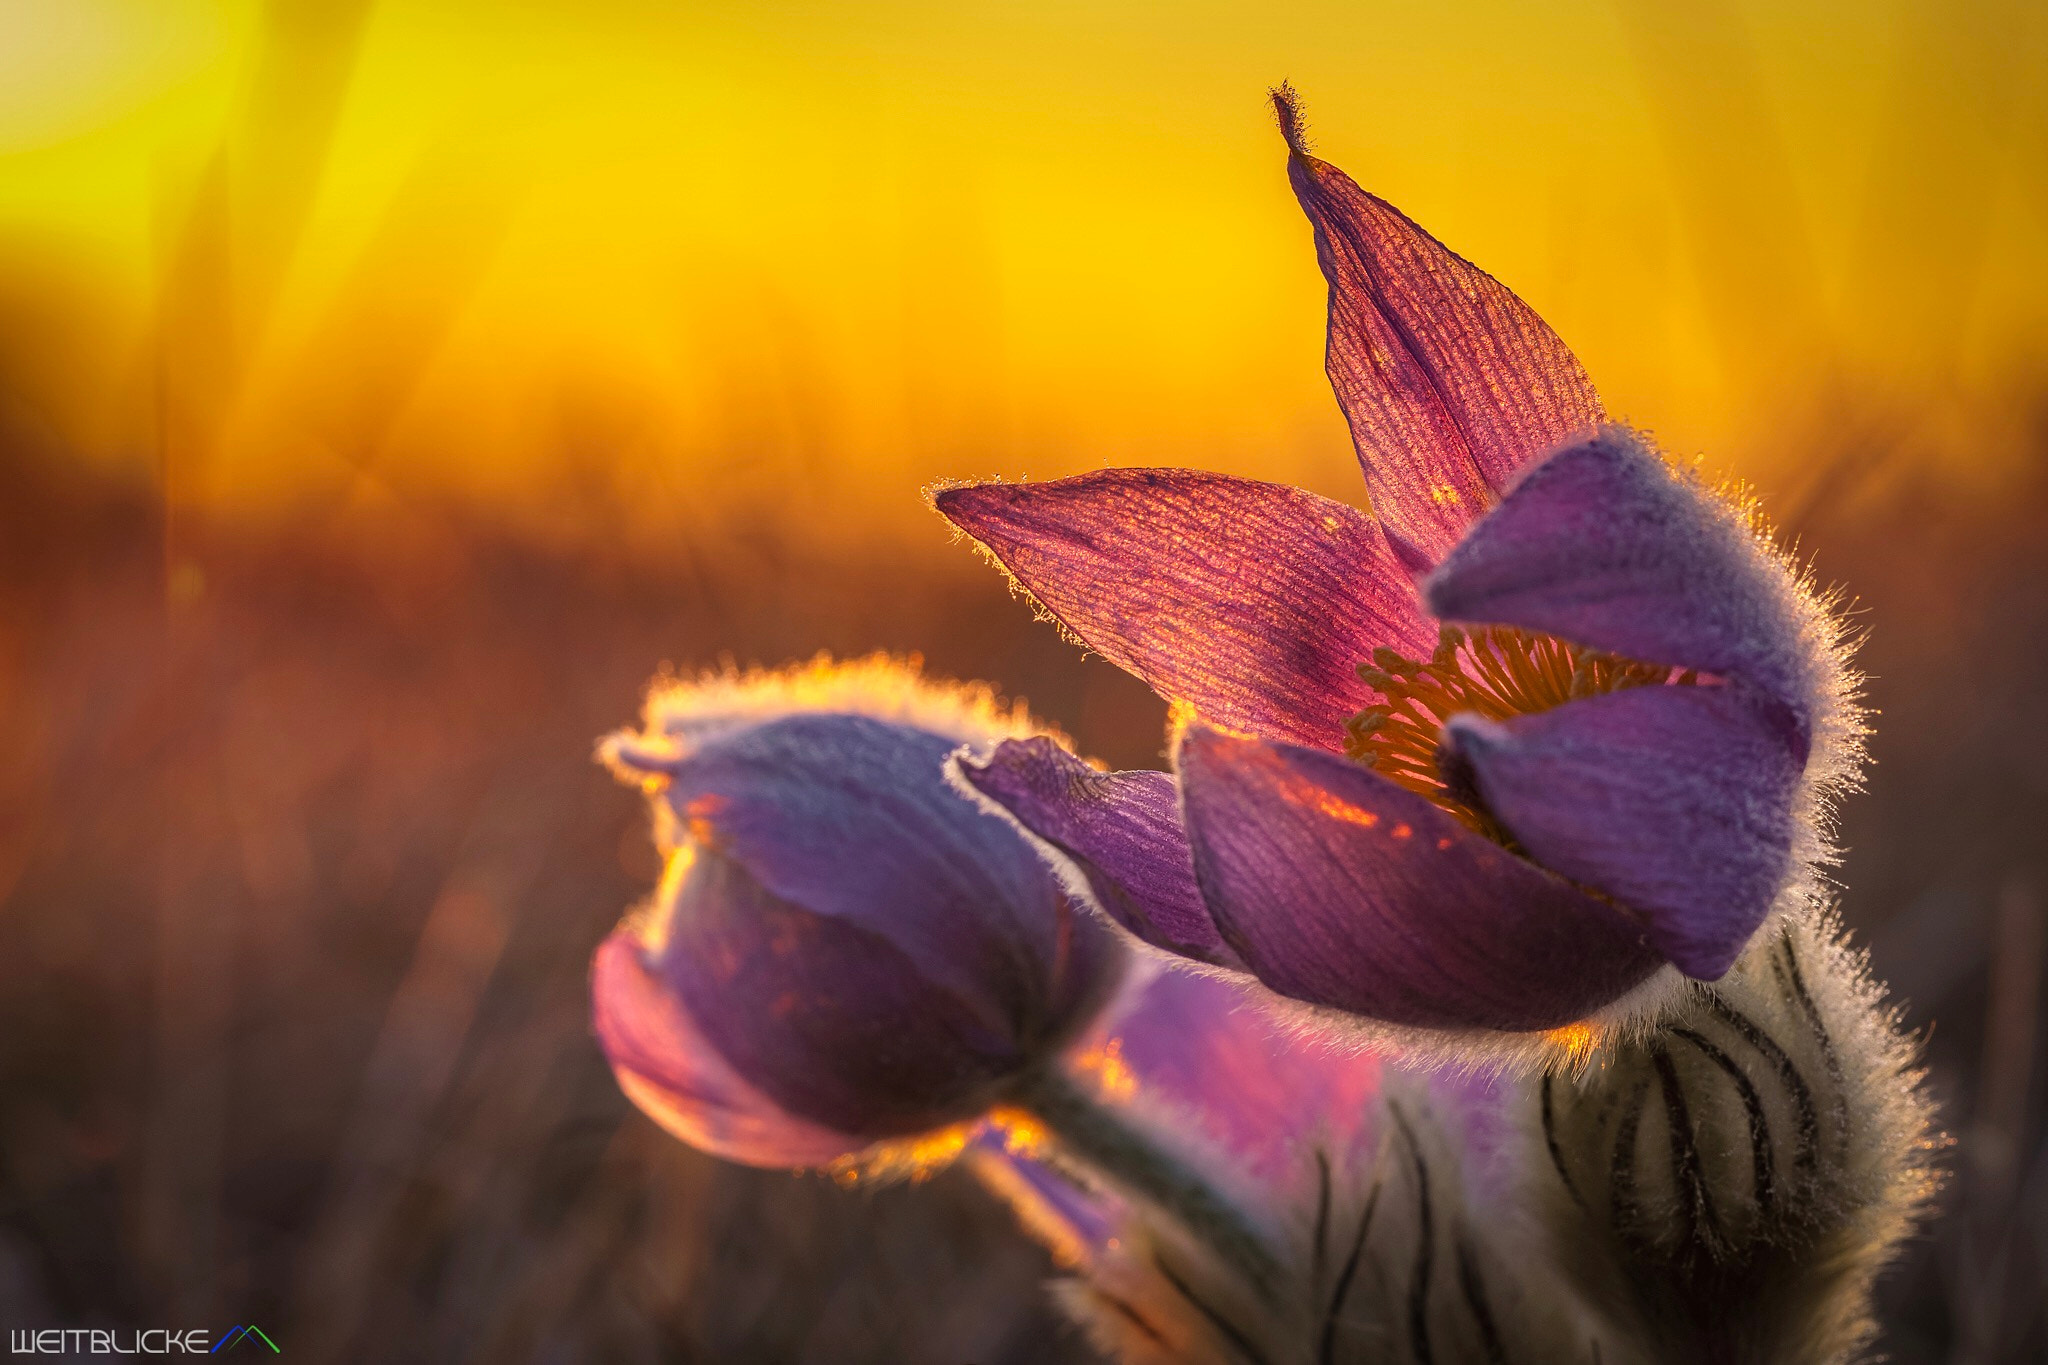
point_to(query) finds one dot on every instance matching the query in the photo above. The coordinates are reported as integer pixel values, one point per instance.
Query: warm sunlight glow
(675, 261)
(1112, 1074)
(915, 1159)
(1022, 1133)
(1575, 1041)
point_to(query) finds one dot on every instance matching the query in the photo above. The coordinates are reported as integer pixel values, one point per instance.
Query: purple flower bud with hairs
(1378, 1195)
(843, 957)
(1490, 770)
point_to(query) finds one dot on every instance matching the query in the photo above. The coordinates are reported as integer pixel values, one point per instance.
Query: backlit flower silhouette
(1553, 728)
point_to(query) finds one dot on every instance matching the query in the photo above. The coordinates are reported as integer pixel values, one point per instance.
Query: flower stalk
(1104, 1142)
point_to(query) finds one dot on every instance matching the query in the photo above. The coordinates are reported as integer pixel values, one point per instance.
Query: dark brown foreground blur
(304, 856)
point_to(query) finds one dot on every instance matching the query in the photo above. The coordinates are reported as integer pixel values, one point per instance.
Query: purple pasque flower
(1556, 717)
(842, 954)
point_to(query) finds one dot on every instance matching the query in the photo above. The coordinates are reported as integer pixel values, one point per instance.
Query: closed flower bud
(1726, 1188)
(842, 952)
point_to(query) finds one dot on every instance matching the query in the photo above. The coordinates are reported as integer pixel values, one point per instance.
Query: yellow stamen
(1493, 671)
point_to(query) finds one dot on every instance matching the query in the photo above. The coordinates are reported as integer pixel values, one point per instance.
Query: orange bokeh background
(314, 260)
(388, 389)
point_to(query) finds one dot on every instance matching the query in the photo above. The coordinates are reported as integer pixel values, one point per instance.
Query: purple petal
(1449, 382)
(668, 1068)
(1675, 800)
(1262, 1089)
(851, 818)
(1338, 887)
(1121, 830)
(1603, 545)
(830, 1020)
(1252, 601)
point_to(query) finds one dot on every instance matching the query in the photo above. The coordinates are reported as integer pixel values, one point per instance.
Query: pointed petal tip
(963, 503)
(1448, 380)
(1287, 109)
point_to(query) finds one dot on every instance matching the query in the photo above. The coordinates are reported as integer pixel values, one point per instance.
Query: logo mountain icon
(241, 1335)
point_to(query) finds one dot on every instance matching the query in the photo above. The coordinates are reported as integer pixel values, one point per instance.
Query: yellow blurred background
(336, 259)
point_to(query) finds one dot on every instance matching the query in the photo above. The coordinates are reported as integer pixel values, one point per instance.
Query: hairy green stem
(1106, 1142)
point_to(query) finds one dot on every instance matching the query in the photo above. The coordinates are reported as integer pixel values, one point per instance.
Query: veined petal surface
(1254, 602)
(1339, 888)
(1449, 382)
(1122, 831)
(1677, 801)
(1604, 545)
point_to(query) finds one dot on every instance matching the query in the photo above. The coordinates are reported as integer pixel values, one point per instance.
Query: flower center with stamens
(1494, 671)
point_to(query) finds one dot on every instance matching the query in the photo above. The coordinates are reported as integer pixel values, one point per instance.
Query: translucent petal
(1449, 382)
(1254, 602)
(1122, 831)
(1337, 887)
(666, 1066)
(829, 1019)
